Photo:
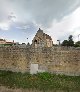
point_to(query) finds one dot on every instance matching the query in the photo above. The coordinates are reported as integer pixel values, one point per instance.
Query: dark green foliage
(68, 42)
(65, 43)
(77, 44)
(41, 81)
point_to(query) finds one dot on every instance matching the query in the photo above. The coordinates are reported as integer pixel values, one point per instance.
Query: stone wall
(14, 58)
(61, 60)
(57, 60)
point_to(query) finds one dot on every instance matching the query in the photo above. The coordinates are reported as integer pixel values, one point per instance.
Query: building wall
(52, 59)
(42, 40)
(3, 42)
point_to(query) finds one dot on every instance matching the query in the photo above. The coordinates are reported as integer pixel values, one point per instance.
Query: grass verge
(40, 81)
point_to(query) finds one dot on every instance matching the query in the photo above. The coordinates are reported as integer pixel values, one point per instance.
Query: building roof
(9, 42)
(40, 31)
(47, 36)
(2, 40)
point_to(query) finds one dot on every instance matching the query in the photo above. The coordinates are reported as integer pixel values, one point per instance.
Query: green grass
(40, 81)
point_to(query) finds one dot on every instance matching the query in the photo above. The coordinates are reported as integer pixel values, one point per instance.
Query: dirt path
(5, 89)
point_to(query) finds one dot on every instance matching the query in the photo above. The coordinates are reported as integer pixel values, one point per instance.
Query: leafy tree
(65, 43)
(68, 42)
(77, 44)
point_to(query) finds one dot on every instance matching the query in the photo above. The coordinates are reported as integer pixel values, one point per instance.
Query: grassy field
(41, 81)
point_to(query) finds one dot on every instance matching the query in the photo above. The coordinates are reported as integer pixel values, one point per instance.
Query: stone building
(42, 40)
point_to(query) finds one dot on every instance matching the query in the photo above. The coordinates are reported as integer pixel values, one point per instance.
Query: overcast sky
(20, 19)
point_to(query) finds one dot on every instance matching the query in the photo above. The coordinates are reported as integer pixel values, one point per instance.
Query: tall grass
(40, 81)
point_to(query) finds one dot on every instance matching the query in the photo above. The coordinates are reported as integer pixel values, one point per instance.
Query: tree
(65, 43)
(68, 42)
(77, 44)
